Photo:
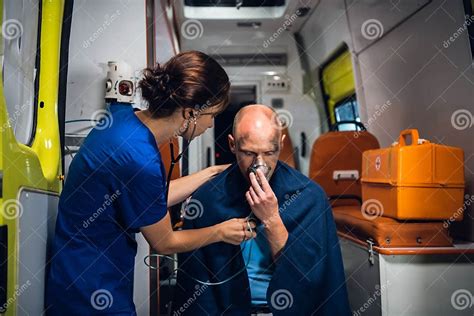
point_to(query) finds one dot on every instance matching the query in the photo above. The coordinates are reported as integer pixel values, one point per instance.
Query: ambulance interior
(357, 84)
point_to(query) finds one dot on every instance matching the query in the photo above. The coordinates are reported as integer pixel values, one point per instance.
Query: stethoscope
(250, 219)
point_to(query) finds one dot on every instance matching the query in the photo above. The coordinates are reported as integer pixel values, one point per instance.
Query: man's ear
(282, 141)
(231, 141)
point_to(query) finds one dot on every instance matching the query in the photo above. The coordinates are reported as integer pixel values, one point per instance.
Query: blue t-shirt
(259, 267)
(115, 185)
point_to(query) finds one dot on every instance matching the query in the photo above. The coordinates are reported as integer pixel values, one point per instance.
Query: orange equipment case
(420, 181)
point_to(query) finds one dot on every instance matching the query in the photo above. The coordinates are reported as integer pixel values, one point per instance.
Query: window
(338, 87)
(19, 66)
(347, 110)
(469, 22)
(232, 3)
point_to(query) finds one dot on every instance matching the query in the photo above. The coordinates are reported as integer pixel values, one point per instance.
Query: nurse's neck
(162, 128)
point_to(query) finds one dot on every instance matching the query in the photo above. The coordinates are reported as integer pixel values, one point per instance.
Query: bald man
(293, 266)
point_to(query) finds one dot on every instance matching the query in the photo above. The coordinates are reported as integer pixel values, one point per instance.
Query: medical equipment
(120, 84)
(414, 179)
(175, 160)
(259, 164)
(244, 268)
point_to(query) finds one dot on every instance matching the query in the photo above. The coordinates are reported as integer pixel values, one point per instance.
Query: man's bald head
(256, 119)
(257, 137)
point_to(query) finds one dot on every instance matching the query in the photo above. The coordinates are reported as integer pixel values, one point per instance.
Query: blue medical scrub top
(115, 185)
(258, 259)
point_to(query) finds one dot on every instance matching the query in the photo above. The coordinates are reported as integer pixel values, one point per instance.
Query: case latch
(371, 251)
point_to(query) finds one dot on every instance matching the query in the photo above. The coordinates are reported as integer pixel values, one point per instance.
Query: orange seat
(336, 162)
(287, 154)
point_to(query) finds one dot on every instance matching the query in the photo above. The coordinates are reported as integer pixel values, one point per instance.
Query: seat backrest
(287, 154)
(336, 152)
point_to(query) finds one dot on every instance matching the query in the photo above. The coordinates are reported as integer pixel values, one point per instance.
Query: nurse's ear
(231, 141)
(188, 114)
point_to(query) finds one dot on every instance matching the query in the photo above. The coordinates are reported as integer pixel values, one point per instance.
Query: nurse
(116, 187)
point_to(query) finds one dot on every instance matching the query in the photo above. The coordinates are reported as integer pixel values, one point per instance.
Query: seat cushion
(388, 232)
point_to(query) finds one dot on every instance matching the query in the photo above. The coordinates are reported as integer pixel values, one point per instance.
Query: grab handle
(403, 135)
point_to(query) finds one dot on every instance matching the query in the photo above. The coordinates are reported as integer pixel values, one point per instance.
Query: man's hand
(264, 205)
(262, 200)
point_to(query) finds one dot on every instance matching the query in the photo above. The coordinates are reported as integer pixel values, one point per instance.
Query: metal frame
(38, 167)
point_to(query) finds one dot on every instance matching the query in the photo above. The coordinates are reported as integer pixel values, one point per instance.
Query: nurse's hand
(234, 231)
(182, 188)
(215, 170)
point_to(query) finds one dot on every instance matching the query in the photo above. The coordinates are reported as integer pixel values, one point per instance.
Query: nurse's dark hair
(190, 79)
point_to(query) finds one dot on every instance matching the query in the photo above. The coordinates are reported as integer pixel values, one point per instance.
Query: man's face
(256, 149)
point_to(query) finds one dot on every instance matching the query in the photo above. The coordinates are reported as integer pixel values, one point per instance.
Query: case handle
(413, 132)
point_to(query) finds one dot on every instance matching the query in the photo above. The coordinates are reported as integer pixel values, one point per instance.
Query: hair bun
(186, 80)
(156, 84)
(163, 82)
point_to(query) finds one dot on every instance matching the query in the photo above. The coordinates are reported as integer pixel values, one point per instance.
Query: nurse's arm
(165, 240)
(182, 188)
